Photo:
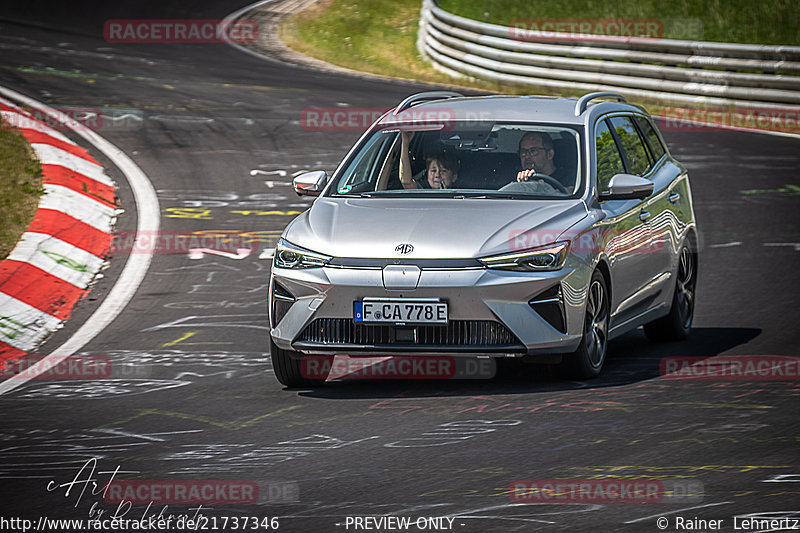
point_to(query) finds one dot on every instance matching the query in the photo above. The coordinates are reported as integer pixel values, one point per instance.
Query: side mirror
(627, 187)
(310, 183)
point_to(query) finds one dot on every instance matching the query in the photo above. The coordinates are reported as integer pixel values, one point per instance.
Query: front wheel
(587, 361)
(677, 324)
(289, 370)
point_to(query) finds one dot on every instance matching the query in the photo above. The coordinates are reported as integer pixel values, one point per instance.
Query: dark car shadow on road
(631, 359)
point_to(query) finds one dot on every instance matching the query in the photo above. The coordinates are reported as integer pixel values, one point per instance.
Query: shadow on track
(631, 359)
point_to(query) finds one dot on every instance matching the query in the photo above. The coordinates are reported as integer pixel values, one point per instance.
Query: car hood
(436, 228)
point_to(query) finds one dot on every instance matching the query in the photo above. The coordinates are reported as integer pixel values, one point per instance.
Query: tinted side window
(638, 159)
(652, 136)
(609, 162)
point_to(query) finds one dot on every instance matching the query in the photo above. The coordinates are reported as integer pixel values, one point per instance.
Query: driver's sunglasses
(531, 151)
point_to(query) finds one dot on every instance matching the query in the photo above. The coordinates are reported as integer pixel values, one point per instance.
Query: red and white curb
(55, 261)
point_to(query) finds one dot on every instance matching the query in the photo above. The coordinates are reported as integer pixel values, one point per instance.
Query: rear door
(657, 210)
(622, 232)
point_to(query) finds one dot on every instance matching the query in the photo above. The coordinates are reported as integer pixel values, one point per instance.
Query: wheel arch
(691, 239)
(605, 270)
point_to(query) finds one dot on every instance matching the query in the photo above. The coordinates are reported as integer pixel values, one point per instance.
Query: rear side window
(609, 161)
(652, 137)
(632, 145)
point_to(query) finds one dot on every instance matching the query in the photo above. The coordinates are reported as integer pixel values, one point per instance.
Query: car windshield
(475, 159)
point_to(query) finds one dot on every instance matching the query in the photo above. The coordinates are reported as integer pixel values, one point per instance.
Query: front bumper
(489, 312)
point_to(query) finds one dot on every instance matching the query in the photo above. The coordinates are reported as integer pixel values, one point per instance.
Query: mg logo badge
(404, 248)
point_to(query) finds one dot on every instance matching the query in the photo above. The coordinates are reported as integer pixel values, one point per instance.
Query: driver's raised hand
(525, 175)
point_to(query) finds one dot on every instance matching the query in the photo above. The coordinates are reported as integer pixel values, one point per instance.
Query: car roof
(504, 108)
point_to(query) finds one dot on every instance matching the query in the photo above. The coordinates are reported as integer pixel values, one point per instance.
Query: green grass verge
(733, 21)
(376, 36)
(20, 187)
(379, 36)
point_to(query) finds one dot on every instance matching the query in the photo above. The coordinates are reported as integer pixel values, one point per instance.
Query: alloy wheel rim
(685, 288)
(596, 324)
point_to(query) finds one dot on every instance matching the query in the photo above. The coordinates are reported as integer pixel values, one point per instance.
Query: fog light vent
(550, 306)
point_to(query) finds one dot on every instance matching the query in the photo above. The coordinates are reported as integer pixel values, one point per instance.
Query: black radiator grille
(343, 331)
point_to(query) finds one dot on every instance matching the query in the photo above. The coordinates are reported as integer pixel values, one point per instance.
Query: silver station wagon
(534, 228)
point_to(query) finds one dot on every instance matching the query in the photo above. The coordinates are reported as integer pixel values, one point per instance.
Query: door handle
(674, 197)
(644, 215)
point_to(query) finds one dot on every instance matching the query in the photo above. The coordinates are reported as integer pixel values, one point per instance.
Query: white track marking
(77, 205)
(148, 222)
(795, 245)
(50, 253)
(50, 155)
(783, 478)
(235, 15)
(280, 173)
(24, 122)
(8, 103)
(198, 253)
(28, 327)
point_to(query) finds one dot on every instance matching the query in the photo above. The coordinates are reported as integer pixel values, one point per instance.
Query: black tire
(678, 323)
(587, 361)
(288, 369)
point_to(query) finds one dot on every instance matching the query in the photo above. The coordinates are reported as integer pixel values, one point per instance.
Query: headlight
(542, 259)
(290, 256)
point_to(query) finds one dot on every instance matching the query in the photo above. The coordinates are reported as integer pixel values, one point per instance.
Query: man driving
(536, 154)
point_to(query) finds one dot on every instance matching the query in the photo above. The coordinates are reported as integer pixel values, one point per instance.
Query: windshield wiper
(356, 195)
(408, 193)
(492, 196)
(438, 193)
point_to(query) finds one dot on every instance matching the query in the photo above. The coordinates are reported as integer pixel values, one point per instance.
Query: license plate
(400, 311)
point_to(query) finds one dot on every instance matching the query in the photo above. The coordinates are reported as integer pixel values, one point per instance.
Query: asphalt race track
(192, 395)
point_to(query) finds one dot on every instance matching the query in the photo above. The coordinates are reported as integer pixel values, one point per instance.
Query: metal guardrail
(672, 72)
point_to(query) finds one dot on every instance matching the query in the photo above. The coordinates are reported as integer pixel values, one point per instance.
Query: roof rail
(583, 101)
(424, 97)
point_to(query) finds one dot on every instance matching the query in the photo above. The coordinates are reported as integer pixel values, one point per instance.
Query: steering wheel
(547, 179)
